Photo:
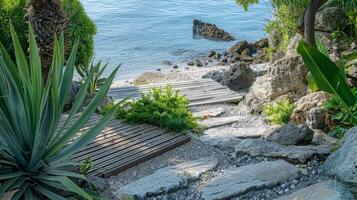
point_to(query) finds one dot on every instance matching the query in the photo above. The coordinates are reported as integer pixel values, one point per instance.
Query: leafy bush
(343, 117)
(79, 26)
(165, 108)
(14, 11)
(279, 112)
(34, 149)
(82, 27)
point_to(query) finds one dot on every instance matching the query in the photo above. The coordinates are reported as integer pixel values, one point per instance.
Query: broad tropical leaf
(327, 75)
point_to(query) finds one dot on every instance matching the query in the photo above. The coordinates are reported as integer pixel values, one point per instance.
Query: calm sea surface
(141, 34)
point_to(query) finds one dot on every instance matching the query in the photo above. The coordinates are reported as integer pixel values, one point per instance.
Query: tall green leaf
(326, 73)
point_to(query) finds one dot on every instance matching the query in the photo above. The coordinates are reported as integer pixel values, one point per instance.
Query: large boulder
(326, 190)
(238, 77)
(342, 164)
(240, 47)
(210, 31)
(216, 75)
(330, 19)
(316, 118)
(306, 103)
(286, 76)
(75, 86)
(291, 134)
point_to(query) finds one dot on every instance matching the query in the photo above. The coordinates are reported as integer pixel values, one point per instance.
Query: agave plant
(95, 81)
(35, 150)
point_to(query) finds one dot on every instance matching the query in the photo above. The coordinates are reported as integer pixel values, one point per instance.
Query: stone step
(213, 112)
(167, 179)
(327, 190)
(293, 154)
(258, 176)
(230, 136)
(220, 121)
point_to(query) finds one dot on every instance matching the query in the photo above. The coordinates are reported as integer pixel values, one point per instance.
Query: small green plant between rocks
(343, 118)
(163, 107)
(279, 112)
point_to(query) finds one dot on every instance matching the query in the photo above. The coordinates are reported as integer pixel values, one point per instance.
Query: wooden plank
(146, 154)
(102, 145)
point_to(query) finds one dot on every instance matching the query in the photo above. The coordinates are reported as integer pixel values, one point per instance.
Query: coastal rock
(316, 118)
(167, 179)
(326, 190)
(229, 136)
(198, 63)
(238, 77)
(214, 112)
(167, 62)
(257, 176)
(220, 121)
(293, 154)
(240, 47)
(330, 19)
(216, 75)
(190, 63)
(274, 38)
(342, 164)
(304, 104)
(260, 69)
(261, 44)
(291, 134)
(321, 138)
(210, 31)
(294, 43)
(285, 76)
(75, 86)
(105, 101)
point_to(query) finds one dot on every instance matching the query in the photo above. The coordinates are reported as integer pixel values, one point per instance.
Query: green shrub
(343, 117)
(80, 26)
(35, 150)
(14, 11)
(279, 112)
(165, 108)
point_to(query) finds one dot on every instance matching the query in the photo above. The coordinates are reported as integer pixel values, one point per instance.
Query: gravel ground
(310, 173)
(191, 151)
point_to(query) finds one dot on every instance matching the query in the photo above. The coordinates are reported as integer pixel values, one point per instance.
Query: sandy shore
(173, 75)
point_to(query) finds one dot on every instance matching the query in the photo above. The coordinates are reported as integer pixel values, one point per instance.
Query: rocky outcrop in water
(210, 31)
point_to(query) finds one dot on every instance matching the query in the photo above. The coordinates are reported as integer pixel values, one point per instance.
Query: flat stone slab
(167, 179)
(293, 154)
(327, 190)
(237, 181)
(220, 121)
(214, 112)
(230, 136)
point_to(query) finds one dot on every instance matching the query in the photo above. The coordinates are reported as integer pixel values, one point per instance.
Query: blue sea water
(142, 34)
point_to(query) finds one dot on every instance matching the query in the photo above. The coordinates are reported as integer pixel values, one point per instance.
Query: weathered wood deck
(198, 92)
(120, 146)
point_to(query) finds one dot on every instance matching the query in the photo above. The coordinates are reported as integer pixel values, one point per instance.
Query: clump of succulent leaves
(35, 149)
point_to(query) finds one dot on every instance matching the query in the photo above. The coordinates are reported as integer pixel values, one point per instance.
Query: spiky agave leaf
(34, 150)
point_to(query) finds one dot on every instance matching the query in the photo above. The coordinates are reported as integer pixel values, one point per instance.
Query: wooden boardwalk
(198, 92)
(120, 146)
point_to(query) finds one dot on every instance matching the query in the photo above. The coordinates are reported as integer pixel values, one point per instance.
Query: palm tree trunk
(309, 21)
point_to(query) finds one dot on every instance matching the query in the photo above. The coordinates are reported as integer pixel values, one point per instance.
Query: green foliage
(343, 118)
(94, 73)
(85, 166)
(328, 76)
(14, 11)
(165, 108)
(35, 150)
(279, 112)
(286, 14)
(80, 26)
